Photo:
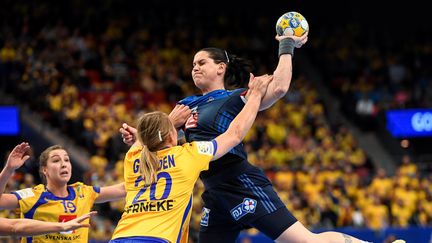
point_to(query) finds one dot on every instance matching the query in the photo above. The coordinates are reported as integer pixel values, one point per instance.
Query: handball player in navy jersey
(237, 194)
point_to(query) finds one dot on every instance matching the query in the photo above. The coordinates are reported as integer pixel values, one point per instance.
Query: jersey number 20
(167, 190)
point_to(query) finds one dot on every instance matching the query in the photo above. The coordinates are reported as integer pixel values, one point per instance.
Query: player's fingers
(124, 132)
(86, 216)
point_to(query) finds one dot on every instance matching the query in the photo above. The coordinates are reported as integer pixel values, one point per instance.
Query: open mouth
(64, 173)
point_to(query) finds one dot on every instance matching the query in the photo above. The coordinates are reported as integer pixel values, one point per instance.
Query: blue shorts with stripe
(236, 201)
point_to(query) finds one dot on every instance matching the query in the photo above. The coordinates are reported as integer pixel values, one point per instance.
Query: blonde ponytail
(153, 133)
(149, 166)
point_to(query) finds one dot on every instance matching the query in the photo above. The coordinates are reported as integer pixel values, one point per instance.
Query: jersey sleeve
(201, 153)
(28, 197)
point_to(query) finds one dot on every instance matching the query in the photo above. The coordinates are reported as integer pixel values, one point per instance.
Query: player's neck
(211, 89)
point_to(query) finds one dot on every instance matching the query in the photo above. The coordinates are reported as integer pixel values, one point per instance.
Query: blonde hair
(43, 160)
(153, 131)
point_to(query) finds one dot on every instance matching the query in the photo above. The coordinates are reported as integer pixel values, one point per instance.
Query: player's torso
(162, 209)
(212, 115)
(46, 207)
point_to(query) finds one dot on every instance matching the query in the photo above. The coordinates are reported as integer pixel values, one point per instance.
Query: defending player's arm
(29, 227)
(283, 74)
(111, 193)
(15, 160)
(243, 121)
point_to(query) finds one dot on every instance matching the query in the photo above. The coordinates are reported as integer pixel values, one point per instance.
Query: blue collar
(195, 100)
(51, 196)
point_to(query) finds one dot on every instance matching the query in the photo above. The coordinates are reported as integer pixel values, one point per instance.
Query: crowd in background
(87, 70)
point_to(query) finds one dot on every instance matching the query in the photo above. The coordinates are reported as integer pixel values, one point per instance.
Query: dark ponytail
(238, 69)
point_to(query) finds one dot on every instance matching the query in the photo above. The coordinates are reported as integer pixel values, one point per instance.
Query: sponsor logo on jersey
(150, 206)
(205, 148)
(247, 206)
(25, 193)
(205, 214)
(62, 237)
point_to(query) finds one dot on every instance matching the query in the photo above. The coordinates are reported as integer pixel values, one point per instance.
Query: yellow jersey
(162, 210)
(38, 203)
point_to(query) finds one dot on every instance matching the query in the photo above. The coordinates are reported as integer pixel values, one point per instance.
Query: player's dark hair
(238, 69)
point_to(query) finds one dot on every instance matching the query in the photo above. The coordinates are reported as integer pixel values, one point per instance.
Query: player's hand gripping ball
(292, 23)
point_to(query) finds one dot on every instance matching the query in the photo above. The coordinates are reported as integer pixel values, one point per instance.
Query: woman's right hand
(299, 40)
(77, 223)
(18, 156)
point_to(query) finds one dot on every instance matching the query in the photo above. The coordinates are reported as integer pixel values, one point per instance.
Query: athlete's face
(58, 169)
(207, 75)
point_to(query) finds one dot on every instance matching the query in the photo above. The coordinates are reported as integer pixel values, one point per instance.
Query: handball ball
(292, 23)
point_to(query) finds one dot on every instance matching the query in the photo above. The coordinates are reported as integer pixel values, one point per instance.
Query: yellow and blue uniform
(38, 203)
(161, 212)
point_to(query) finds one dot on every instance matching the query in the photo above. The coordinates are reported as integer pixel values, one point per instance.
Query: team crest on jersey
(192, 121)
(25, 193)
(205, 148)
(80, 192)
(205, 216)
(247, 206)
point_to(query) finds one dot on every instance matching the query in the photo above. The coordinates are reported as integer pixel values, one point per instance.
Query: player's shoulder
(78, 185)
(80, 188)
(39, 188)
(133, 151)
(187, 100)
(30, 192)
(237, 92)
(201, 147)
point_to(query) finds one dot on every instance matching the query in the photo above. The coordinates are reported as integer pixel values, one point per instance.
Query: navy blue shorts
(241, 202)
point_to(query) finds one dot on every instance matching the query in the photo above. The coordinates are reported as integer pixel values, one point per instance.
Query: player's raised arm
(16, 159)
(244, 120)
(289, 38)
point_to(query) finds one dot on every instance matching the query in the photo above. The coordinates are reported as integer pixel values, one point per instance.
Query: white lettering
(422, 122)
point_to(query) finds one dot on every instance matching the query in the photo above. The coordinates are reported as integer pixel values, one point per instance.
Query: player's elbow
(236, 140)
(280, 91)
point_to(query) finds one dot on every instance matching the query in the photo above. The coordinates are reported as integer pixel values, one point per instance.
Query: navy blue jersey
(237, 194)
(211, 116)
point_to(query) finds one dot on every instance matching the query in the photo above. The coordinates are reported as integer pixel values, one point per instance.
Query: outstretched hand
(18, 156)
(260, 83)
(128, 134)
(299, 40)
(77, 223)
